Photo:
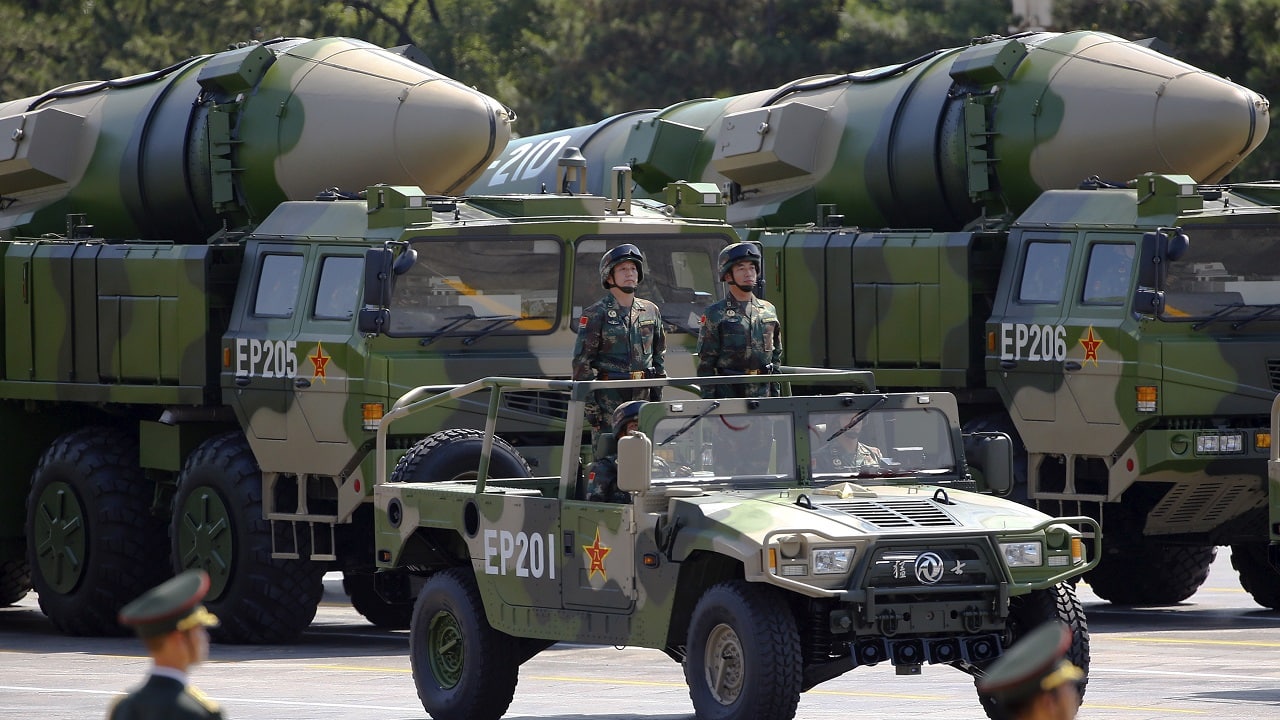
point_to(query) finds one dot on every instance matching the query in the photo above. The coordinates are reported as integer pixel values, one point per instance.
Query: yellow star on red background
(597, 553)
(320, 360)
(1091, 345)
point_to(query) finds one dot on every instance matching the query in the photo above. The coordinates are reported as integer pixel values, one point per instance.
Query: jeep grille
(896, 513)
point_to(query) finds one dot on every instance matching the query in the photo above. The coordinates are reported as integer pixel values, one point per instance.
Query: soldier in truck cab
(620, 337)
(840, 450)
(741, 334)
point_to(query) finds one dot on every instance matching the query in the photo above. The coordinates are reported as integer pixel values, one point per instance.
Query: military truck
(749, 553)
(174, 405)
(1124, 335)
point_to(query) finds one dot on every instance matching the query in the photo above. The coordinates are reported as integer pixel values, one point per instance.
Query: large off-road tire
(743, 654)
(15, 581)
(462, 667)
(1257, 576)
(1150, 573)
(1027, 612)
(455, 455)
(93, 543)
(218, 526)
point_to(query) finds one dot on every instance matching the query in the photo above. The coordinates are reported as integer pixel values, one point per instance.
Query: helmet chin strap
(744, 288)
(628, 290)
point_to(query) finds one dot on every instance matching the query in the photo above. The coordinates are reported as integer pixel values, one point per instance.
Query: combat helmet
(617, 255)
(735, 252)
(625, 413)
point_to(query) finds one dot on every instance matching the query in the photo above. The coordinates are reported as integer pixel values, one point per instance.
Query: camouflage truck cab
(214, 405)
(753, 551)
(1126, 337)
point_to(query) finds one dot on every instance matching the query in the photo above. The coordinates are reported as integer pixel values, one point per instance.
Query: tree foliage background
(564, 63)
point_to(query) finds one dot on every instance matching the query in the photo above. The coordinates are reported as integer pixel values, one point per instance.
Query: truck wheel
(15, 581)
(359, 586)
(455, 455)
(1257, 576)
(93, 543)
(1150, 573)
(462, 667)
(743, 654)
(1027, 612)
(218, 526)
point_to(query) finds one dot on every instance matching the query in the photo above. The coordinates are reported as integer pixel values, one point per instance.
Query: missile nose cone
(445, 134)
(1205, 125)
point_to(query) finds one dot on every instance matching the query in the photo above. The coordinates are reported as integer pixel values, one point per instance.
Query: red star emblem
(319, 360)
(597, 553)
(1091, 345)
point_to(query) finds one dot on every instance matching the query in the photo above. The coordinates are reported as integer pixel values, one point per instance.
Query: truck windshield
(883, 443)
(1228, 272)
(748, 449)
(678, 276)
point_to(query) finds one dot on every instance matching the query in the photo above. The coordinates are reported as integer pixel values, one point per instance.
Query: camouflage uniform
(602, 482)
(837, 457)
(614, 344)
(740, 338)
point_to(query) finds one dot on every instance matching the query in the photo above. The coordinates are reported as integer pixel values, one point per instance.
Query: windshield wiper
(692, 421)
(857, 418)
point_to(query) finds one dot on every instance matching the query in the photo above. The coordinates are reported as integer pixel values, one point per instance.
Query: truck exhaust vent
(896, 513)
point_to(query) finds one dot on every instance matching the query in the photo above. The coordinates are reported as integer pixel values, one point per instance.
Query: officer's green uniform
(166, 695)
(1035, 664)
(617, 344)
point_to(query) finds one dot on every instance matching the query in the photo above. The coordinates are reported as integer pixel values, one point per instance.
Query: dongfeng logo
(929, 568)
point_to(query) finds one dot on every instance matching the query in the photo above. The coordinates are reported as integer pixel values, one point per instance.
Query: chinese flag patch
(582, 323)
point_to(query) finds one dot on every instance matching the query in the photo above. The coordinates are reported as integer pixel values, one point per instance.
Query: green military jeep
(770, 545)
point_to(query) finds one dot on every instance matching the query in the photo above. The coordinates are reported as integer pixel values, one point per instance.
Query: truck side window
(1106, 282)
(1044, 274)
(278, 281)
(339, 288)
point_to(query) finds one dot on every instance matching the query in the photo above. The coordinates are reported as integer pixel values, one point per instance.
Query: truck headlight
(1210, 444)
(832, 561)
(1022, 554)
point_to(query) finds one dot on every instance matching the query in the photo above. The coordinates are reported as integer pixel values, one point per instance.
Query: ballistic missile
(954, 136)
(218, 141)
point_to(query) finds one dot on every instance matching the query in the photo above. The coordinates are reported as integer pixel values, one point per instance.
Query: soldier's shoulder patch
(582, 323)
(702, 320)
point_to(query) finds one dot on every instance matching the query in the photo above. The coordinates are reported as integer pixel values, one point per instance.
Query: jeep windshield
(706, 444)
(1228, 274)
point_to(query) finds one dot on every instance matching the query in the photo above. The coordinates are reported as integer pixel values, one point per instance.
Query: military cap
(1036, 663)
(172, 605)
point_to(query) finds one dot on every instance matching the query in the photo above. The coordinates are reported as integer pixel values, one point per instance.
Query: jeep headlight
(1022, 554)
(832, 561)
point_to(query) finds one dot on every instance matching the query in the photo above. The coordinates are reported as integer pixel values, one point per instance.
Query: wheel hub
(724, 664)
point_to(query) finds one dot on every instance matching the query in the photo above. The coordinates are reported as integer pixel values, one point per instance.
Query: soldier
(620, 337)
(172, 624)
(843, 451)
(1034, 680)
(602, 476)
(741, 334)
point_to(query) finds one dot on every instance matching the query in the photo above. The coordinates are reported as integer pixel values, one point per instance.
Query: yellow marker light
(1146, 398)
(1077, 551)
(371, 415)
(1262, 441)
(226, 357)
(773, 560)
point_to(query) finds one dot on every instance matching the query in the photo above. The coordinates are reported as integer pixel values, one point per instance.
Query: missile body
(938, 142)
(220, 140)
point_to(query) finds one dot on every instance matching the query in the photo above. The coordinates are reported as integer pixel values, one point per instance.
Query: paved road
(1216, 656)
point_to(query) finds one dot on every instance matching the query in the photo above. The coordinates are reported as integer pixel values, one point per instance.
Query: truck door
(259, 357)
(1028, 341)
(516, 548)
(598, 556)
(325, 389)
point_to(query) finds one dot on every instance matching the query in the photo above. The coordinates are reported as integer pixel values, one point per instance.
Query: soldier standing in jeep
(620, 337)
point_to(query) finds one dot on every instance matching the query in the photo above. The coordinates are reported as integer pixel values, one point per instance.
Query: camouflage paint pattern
(219, 140)
(738, 338)
(614, 343)
(553, 566)
(937, 142)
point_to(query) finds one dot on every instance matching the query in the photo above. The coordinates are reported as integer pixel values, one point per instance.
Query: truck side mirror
(991, 453)
(378, 269)
(635, 463)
